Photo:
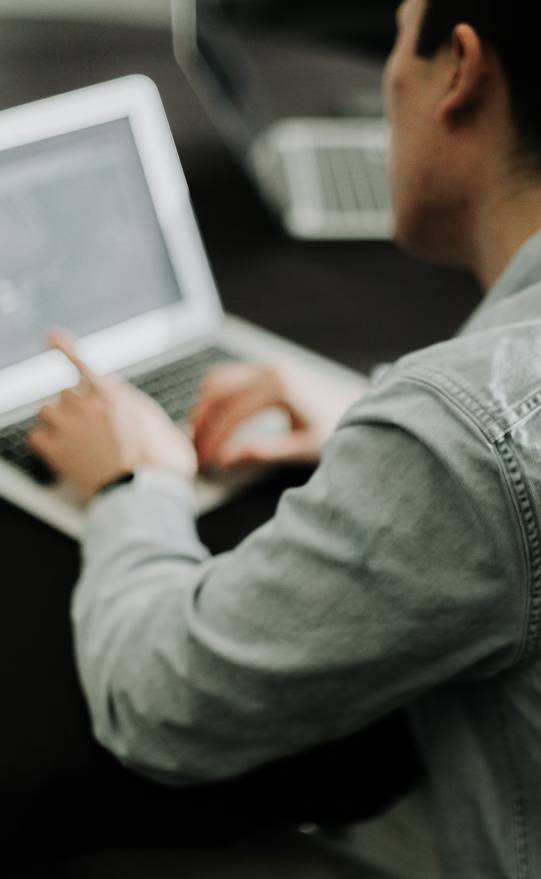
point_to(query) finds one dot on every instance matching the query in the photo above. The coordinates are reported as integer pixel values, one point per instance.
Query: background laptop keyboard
(353, 180)
(174, 386)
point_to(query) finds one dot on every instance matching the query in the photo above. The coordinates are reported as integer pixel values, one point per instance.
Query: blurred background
(152, 12)
(371, 14)
(359, 301)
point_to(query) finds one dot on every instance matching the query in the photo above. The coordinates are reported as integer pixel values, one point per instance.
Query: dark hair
(513, 30)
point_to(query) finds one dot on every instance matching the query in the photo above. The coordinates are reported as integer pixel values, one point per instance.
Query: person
(407, 571)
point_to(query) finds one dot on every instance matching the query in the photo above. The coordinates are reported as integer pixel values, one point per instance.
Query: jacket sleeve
(395, 569)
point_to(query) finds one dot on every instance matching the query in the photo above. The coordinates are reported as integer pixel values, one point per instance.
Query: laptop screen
(80, 242)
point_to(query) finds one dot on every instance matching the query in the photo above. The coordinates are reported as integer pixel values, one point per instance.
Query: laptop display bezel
(198, 314)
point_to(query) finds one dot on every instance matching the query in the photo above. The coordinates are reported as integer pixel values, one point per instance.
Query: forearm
(140, 552)
(193, 667)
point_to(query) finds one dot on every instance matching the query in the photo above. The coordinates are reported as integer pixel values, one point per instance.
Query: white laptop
(97, 234)
(325, 178)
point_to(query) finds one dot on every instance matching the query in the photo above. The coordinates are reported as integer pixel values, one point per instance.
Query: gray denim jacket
(406, 573)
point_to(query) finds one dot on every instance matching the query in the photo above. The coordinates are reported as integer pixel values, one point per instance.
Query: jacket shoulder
(492, 370)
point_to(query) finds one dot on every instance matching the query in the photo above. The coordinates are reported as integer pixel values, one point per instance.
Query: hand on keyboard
(105, 428)
(233, 393)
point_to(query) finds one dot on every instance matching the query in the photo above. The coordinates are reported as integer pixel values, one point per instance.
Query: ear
(466, 75)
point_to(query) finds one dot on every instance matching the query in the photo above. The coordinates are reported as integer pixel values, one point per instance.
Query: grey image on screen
(80, 242)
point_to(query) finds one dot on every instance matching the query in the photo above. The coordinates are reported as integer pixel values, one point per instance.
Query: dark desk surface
(357, 303)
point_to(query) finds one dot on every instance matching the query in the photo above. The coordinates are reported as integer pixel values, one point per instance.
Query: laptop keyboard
(14, 449)
(174, 386)
(353, 179)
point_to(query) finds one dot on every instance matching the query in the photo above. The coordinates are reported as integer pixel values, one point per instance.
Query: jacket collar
(523, 271)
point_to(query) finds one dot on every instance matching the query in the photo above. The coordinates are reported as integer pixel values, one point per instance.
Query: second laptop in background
(326, 178)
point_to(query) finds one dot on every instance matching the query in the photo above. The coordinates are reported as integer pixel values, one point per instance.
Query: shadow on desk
(398, 845)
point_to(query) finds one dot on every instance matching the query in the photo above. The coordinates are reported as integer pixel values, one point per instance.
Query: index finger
(64, 342)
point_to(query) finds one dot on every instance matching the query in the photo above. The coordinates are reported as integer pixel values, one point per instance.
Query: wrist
(116, 482)
(146, 477)
(186, 470)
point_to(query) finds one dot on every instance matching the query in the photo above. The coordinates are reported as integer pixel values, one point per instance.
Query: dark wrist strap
(116, 483)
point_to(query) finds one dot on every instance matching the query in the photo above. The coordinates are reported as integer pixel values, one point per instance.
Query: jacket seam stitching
(471, 405)
(525, 554)
(518, 801)
(531, 530)
(499, 418)
(527, 520)
(527, 403)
